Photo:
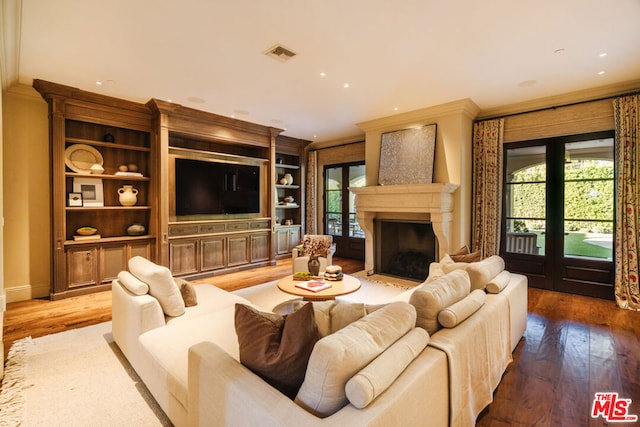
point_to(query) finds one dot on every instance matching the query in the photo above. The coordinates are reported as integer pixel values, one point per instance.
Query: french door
(558, 213)
(339, 208)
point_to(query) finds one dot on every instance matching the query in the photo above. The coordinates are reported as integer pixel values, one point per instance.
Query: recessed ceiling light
(315, 136)
(560, 50)
(346, 85)
(196, 100)
(527, 83)
(395, 108)
(603, 54)
(169, 100)
(323, 74)
(98, 83)
(600, 73)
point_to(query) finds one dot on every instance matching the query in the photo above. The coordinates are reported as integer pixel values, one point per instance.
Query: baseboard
(26, 292)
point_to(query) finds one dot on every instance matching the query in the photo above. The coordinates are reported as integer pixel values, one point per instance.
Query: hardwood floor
(573, 347)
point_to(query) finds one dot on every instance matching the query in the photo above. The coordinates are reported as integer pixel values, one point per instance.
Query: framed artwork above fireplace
(407, 156)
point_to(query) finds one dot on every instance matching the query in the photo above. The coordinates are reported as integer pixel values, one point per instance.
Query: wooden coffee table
(347, 285)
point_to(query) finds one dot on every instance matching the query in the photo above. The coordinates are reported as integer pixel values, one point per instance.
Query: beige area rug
(74, 378)
(376, 289)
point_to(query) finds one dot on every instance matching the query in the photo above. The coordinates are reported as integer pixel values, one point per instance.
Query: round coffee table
(347, 285)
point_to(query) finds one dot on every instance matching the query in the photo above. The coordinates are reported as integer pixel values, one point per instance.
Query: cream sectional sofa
(190, 362)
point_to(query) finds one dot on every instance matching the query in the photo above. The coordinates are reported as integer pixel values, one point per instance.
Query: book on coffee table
(313, 285)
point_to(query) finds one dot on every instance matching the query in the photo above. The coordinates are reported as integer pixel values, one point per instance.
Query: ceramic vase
(289, 178)
(314, 265)
(128, 195)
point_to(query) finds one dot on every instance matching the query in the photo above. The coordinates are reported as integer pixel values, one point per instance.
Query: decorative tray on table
(303, 276)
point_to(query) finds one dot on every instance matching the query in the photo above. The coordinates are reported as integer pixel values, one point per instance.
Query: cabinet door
(238, 250)
(259, 247)
(82, 267)
(213, 254)
(282, 241)
(142, 249)
(184, 256)
(113, 259)
(294, 238)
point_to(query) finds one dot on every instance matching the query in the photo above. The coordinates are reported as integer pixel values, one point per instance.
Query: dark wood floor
(573, 347)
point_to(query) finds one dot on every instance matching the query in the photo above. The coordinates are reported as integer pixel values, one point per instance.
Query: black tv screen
(211, 188)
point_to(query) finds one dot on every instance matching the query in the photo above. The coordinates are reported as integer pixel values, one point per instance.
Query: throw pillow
(462, 251)
(498, 283)
(458, 312)
(431, 298)
(339, 356)
(482, 272)
(187, 291)
(377, 376)
(132, 283)
(471, 257)
(161, 284)
(275, 347)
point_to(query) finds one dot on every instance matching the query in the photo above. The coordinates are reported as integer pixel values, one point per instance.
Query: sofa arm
(132, 315)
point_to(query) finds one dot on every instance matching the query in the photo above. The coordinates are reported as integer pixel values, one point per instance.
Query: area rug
(376, 289)
(74, 378)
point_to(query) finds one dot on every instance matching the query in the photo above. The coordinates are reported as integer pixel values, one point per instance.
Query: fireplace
(430, 204)
(405, 249)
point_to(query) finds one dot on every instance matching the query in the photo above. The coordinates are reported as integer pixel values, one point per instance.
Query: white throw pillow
(132, 283)
(482, 272)
(377, 376)
(431, 298)
(498, 283)
(161, 284)
(457, 313)
(339, 356)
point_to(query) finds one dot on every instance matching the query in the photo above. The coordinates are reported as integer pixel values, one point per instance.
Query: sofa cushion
(132, 283)
(187, 291)
(377, 376)
(161, 284)
(461, 310)
(339, 356)
(480, 273)
(275, 347)
(431, 298)
(498, 283)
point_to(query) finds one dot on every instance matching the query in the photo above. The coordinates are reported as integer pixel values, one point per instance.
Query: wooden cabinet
(287, 237)
(199, 249)
(93, 138)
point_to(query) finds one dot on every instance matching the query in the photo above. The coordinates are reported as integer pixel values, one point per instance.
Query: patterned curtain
(312, 194)
(627, 155)
(487, 186)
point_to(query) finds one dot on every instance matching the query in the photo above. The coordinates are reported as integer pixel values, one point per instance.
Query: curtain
(487, 186)
(627, 155)
(311, 197)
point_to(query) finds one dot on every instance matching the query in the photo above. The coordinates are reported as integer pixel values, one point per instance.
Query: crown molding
(23, 91)
(583, 95)
(10, 18)
(464, 107)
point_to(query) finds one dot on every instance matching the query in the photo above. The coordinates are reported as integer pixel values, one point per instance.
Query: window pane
(334, 224)
(334, 179)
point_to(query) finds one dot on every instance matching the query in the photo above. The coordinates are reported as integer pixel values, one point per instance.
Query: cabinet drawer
(211, 228)
(259, 225)
(183, 230)
(237, 226)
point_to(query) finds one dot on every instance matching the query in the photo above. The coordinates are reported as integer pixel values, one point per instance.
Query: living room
(533, 105)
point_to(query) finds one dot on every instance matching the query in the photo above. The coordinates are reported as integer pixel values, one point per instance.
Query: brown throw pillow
(187, 291)
(472, 257)
(462, 251)
(275, 347)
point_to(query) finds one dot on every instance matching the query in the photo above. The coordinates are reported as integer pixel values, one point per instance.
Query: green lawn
(575, 245)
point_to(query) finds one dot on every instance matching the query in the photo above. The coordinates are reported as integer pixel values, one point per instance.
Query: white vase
(128, 195)
(289, 178)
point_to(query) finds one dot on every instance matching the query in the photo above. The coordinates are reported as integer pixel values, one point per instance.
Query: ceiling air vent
(280, 53)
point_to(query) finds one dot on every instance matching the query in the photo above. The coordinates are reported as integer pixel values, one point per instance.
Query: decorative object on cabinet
(128, 195)
(74, 200)
(108, 138)
(91, 190)
(407, 156)
(81, 157)
(97, 169)
(86, 231)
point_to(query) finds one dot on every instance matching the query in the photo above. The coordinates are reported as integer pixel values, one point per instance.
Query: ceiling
(395, 56)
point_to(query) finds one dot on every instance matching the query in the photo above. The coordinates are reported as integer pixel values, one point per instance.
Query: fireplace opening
(405, 249)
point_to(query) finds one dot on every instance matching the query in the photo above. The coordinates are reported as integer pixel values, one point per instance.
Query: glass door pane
(589, 199)
(333, 194)
(525, 200)
(356, 179)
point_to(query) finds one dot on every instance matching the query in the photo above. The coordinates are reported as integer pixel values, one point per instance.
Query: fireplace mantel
(432, 202)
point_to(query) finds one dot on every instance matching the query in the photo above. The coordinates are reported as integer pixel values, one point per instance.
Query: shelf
(107, 176)
(292, 187)
(283, 166)
(287, 206)
(108, 144)
(108, 240)
(106, 208)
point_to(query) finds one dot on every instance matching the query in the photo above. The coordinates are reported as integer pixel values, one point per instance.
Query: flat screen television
(211, 188)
